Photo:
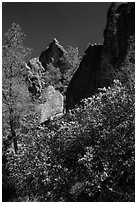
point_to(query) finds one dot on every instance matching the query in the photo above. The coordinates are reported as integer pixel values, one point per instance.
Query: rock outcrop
(53, 107)
(118, 37)
(86, 79)
(119, 29)
(37, 66)
(52, 54)
(34, 71)
(99, 61)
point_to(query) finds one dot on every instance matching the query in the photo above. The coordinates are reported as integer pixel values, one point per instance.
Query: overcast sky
(75, 24)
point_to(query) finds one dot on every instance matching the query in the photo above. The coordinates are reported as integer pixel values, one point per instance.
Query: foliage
(60, 74)
(110, 161)
(88, 155)
(68, 65)
(14, 90)
(15, 96)
(52, 76)
(124, 72)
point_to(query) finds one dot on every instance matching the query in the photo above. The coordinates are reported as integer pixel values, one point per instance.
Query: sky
(74, 24)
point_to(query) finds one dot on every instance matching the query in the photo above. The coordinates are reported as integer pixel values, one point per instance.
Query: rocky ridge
(99, 62)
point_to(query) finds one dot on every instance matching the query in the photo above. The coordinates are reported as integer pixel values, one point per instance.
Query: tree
(15, 95)
(52, 77)
(88, 155)
(69, 64)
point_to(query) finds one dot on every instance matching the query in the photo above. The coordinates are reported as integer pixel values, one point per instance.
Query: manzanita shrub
(87, 155)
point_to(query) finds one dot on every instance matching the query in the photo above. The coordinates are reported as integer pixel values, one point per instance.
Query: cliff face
(98, 61)
(118, 36)
(86, 78)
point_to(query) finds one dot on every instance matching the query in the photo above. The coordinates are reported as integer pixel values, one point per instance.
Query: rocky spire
(52, 54)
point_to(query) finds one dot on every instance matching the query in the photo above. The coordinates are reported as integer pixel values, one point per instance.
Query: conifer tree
(15, 95)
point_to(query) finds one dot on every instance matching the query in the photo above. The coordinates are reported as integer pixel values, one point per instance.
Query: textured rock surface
(95, 67)
(53, 106)
(52, 54)
(34, 72)
(36, 67)
(118, 35)
(120, 27)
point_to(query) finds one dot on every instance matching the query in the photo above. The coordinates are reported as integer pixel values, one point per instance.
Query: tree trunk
(14, 137)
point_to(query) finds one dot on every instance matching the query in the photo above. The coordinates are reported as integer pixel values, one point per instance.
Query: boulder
(53, 107)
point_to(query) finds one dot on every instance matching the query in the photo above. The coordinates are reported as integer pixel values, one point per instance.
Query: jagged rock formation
(34, 72)
(53, 107)
(99, 61)
(86, 79)
(118, 37)
(119, 29)
(52, 54)
(37, 66)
